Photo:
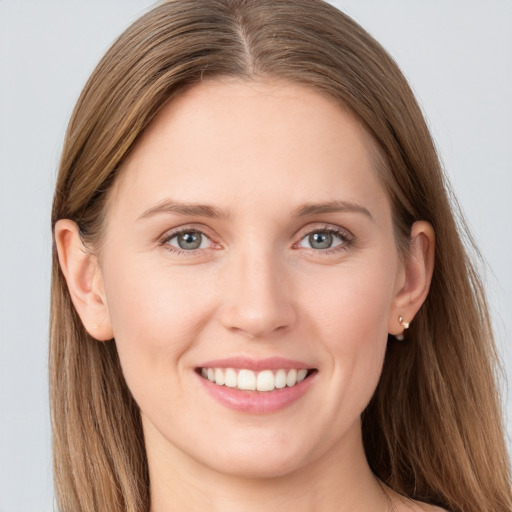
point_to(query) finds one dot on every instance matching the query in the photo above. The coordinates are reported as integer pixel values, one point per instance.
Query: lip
(257, 402)
(256, 365)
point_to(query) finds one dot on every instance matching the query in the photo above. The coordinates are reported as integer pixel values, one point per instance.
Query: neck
(338, 481)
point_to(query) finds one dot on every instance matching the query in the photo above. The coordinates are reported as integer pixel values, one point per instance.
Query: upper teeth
(244, 379)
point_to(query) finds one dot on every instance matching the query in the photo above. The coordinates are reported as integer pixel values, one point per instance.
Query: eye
(189, 240)
(324, 239)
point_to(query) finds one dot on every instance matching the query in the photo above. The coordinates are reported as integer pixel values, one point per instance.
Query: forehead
(228, 139)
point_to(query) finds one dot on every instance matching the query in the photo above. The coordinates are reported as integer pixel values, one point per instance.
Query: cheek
(354, 307)
(156, 316)
(350, 318)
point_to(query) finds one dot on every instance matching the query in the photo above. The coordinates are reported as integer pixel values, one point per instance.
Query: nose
(257, 297)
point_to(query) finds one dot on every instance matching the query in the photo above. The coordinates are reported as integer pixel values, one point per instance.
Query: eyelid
(343, 233)
(348, 239)
(205, 239)
(184, 228)
(164, 239)
(322, 226)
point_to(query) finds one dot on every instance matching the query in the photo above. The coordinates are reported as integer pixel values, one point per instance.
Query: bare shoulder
(424, 507)
(407, 505)
(402, 503)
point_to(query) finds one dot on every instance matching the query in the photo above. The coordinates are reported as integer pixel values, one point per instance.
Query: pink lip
(257, 402)
(256, 365)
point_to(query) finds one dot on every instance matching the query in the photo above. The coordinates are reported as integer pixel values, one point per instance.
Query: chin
(261, 459)
(259, 468)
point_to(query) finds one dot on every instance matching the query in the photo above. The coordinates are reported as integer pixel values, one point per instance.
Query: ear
(418, 268)
(84, 279)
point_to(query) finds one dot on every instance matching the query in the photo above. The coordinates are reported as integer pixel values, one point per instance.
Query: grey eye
(189, 240)
(322, 240)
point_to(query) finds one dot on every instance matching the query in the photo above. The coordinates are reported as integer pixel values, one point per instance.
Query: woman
(246, 312)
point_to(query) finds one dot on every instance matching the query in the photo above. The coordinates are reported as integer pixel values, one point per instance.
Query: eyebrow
(205, 210)
(179, 208)
(331, 207)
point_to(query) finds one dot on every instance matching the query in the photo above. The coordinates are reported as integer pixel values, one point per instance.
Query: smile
(249, 380)
(256, 386)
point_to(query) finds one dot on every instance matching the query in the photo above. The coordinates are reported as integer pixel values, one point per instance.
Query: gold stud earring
(405, 325)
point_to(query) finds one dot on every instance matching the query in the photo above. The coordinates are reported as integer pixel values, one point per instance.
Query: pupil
(189, 241)
(320, 240)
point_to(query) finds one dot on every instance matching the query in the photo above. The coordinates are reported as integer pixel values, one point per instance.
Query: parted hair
(433, 430)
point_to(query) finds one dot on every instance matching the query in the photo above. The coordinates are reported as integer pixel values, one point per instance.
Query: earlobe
(419, 267)
(84, 279)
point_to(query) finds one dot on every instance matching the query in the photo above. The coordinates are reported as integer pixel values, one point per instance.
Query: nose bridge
(257, 299)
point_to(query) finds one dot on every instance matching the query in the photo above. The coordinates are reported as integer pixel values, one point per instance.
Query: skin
(256, 152)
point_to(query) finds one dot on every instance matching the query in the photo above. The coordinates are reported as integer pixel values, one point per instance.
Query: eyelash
(183, 252)
(347, 240)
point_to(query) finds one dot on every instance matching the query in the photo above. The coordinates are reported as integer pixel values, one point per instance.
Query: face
(250, 273)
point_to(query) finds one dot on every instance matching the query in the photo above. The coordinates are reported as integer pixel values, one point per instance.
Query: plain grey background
(457, 55)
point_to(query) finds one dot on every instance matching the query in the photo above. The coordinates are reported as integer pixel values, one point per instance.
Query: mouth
(265, 380)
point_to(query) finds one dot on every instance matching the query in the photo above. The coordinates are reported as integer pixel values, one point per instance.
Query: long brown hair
(433, 430)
